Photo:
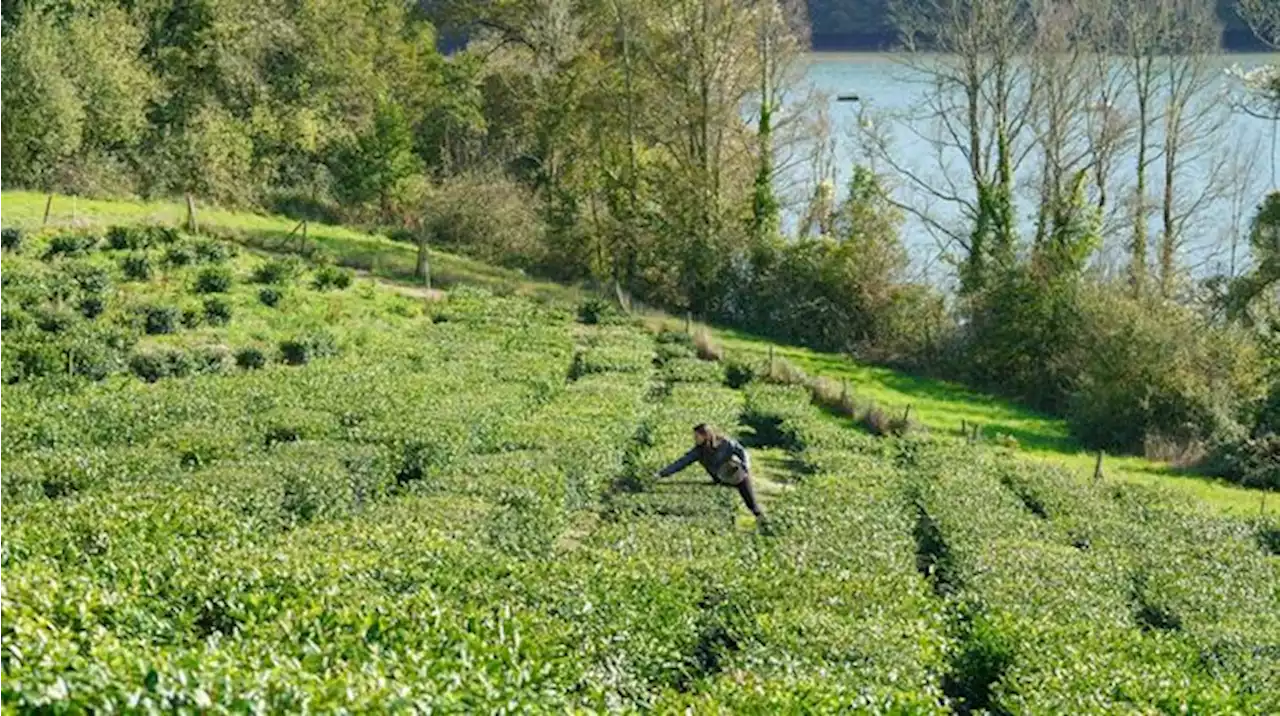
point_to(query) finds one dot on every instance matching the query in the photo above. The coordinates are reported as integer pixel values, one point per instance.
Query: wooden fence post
(688, 322)
(191, 214)
(1097, 468)
(48, 204)
(906, 416)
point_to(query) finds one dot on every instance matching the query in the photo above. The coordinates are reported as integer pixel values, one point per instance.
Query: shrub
(834, 397)
(738, 373)
(328, 277)
(89, 357)
(118, 238)
(180, 254)
(670, 337)
(212, 251)
(783, 372)
(217, 311)
(127, 238)
(302, 350)
(298, 205)
(36, 360)
(136, 267)
(88, 277)
(181, 364)
(1249, 461)
(251, 358)
(149, 365)
(164, 235)
(70, 245)
(1158, 371)
(491, 218)
(159, 320)
(593, 311)
(92, 306)
(54, 320)
(214, 279)
(211, 359)
(11, 239)
(667, 352)
(877, 421)
(269, 296)
(14, 319)
(706, 348)
(275, 271)
(192, 316)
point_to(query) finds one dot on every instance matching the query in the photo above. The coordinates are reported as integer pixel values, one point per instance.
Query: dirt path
(403, 288)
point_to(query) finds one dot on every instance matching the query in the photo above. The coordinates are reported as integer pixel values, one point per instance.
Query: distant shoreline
(1234, 42)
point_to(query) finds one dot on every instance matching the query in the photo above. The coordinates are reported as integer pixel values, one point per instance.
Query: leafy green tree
(374, 165)
(44, 116)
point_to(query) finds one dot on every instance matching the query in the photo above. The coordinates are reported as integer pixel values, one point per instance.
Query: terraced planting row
(453, 508)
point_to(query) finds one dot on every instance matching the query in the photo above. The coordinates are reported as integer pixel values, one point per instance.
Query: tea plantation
(242, 483)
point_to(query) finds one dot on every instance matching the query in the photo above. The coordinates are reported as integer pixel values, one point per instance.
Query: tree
(781, 37)
(376, 163)
(972, 56)
(43, 115)
(701, 51)
(1192, 122)
(1262, 84)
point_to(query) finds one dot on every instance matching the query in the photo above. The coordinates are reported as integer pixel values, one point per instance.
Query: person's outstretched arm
(685, 461)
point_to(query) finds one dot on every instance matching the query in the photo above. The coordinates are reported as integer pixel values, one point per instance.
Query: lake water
(887, 87)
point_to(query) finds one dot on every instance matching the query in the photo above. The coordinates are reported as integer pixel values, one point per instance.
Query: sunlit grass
(944, 408)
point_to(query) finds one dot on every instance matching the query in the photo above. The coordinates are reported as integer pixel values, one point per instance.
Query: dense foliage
(358, 500)
(631, 146)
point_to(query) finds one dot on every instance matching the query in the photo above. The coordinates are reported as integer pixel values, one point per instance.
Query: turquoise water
(1222, 180)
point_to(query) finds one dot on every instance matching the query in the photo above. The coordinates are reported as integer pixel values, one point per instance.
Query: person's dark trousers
(749, 496)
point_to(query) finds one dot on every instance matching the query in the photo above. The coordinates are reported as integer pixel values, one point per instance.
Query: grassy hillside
(941, 407)
(276, 488)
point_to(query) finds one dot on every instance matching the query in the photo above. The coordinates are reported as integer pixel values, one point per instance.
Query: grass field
(239, 482)
(940, 406)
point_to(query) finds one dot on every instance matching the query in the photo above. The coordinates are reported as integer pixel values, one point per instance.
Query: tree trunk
(422, 268)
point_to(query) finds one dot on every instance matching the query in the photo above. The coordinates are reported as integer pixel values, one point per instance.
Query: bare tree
(780, 29)
(1142, 33)
(822, 174)
(1062, 57)
(704, 52)
(1261, 98)
(971, 53)
(1263, 17)
(1193, 121)
(1108, 124)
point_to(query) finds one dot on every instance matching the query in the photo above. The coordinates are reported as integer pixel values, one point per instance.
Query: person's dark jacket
(711, 458)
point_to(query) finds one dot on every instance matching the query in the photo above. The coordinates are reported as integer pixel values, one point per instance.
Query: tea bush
(331, 277)
(217, 311)
(270, 296)
(158, 320)
(180, 254)
(11, 239)
(276, 271)
(70, 244)
(434, 518)
(136, 267)
(214, 279)
(251, 358)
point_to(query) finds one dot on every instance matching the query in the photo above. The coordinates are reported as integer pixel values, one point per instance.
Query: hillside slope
(278, 489)
(941, 407)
